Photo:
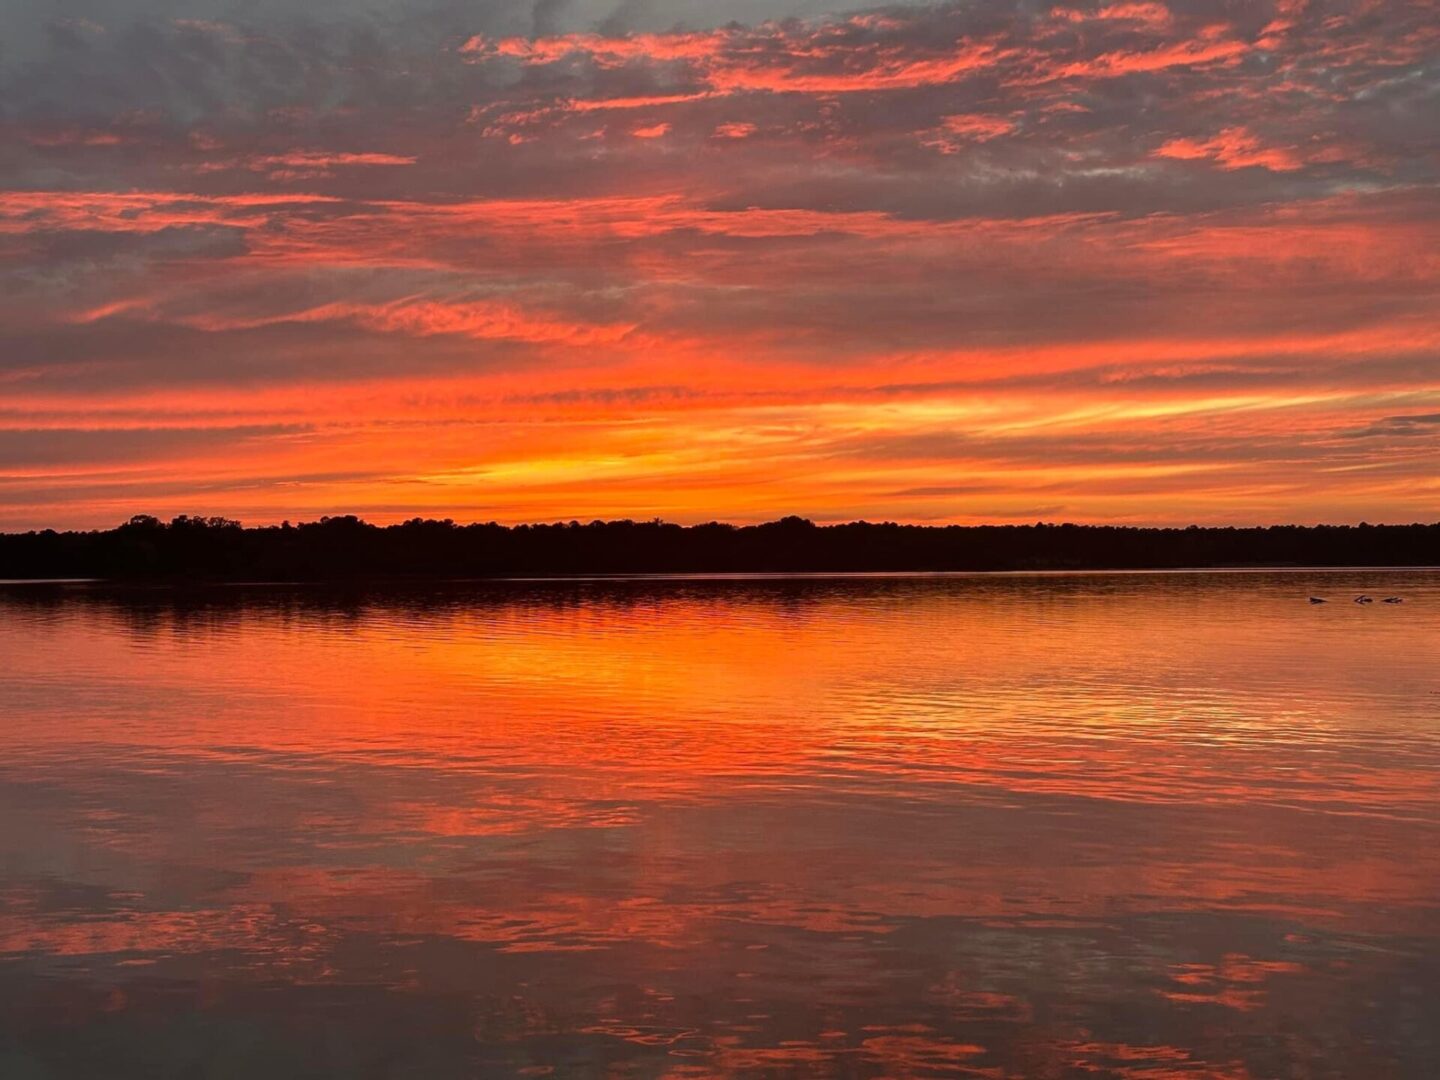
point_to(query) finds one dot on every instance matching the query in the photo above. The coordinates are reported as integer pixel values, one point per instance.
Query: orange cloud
(1233, 148)
(735, 130)
(723, 60)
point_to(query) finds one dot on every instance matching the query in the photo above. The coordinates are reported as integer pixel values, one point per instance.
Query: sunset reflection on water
(1149, 826)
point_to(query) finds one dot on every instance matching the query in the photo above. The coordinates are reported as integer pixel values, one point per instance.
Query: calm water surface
(1145, 826)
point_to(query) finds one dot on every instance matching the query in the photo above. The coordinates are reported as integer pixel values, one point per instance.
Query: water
(1094, 825)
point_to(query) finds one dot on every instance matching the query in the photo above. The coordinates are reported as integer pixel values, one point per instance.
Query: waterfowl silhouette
(1394, 600)
(1364, 600)
(1318, 600)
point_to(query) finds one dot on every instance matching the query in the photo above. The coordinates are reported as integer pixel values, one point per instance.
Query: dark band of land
(346, 548)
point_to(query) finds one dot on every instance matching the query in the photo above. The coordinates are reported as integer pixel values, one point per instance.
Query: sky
(972, 262)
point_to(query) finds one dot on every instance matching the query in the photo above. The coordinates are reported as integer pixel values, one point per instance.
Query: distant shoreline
(346, 549)
(193, 584)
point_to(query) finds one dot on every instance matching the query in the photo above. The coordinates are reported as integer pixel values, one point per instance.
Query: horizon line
(797, 520)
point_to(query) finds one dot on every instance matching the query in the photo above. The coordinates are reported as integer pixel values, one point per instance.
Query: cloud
(1233, 148)
(1138, 259)
(304, 164)
(47, 451)
(735, 129)
(1426, 425)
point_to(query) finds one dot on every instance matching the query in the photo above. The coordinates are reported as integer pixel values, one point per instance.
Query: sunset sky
(517, 261)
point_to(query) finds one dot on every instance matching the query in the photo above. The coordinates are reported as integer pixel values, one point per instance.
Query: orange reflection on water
(1004, 826)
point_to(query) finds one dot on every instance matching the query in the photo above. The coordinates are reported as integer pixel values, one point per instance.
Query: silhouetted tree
(344, 546)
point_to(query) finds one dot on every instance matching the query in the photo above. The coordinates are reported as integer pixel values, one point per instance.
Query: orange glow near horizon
(960, 263)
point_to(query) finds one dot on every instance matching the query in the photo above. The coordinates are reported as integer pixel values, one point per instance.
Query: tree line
(345, 547)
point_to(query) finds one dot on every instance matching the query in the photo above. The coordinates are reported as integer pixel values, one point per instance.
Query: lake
(1167, 825)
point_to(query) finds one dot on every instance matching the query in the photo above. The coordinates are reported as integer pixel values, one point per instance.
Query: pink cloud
(74, 137)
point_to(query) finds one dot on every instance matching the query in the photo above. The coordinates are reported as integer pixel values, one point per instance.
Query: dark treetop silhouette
(346, 547)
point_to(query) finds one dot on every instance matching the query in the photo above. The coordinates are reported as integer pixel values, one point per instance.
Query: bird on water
(1318, 600)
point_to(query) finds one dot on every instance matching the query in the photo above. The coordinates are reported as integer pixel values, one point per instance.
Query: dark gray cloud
(22, 449)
